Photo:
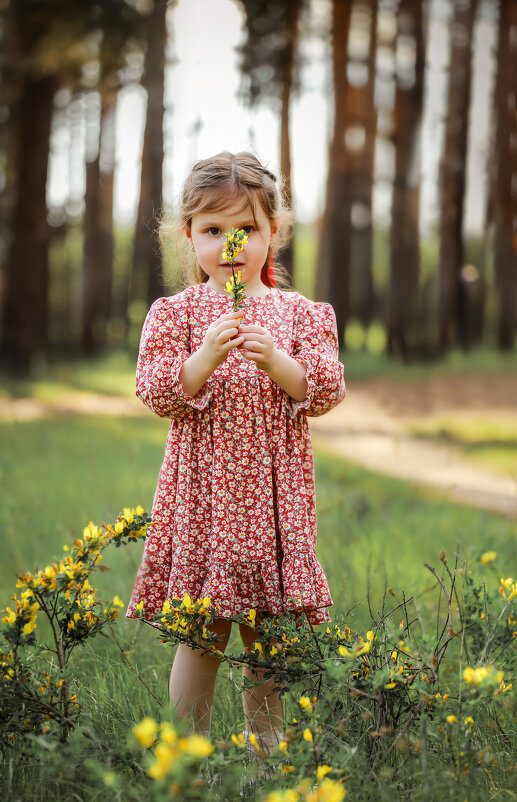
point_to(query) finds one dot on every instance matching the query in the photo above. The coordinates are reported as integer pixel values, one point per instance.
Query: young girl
(234, 509)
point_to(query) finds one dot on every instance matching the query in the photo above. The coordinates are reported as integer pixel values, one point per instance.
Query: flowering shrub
(370, 703)
(36, 700)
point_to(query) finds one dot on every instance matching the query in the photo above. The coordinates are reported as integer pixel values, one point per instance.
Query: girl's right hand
(221, 336)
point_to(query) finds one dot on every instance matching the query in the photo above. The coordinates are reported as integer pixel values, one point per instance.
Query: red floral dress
(234, 510)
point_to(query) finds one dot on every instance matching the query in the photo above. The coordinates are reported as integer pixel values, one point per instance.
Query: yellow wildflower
(118, 602)
(198, 746)
(145, 732)
(307, 735)
(452, 719)
(238, 740)
(322, 770)
(305, 703)
(487, 557)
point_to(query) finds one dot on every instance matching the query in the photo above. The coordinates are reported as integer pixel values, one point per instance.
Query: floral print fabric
(234, 511)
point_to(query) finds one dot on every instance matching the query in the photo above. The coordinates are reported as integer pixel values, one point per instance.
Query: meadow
(374, 536)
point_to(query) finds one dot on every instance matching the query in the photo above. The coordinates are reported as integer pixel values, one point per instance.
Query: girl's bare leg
(263, 707)
(193, 676)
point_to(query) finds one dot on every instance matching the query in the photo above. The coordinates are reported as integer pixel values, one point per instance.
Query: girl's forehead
(239, 209)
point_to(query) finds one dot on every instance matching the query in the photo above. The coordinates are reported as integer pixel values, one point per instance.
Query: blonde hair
(213, 185)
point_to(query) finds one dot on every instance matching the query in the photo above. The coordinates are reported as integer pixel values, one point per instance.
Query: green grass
(489, 442)
(58, 474)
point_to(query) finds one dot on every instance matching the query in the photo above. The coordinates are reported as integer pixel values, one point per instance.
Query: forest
(74, 283)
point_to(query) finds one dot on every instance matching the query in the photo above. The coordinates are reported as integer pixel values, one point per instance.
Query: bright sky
(202, 83)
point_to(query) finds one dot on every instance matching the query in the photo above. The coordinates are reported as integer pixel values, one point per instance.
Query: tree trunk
(25, 318)
(404, 232)
(148, 277)
(286, 256)
(98, 233)
(453, 169)
(333, 275)
(505, 190)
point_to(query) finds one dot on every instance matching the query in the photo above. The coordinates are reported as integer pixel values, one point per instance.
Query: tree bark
(98, 235)
(25, 317)
(286, 256)
(333, 275)
(404, 232)
(147, 256)
(505, 190)
(453, 171)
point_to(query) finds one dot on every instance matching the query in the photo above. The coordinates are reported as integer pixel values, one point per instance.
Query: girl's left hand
(258, 345)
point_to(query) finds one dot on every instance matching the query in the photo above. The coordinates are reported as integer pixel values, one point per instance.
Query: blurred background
(392, 122)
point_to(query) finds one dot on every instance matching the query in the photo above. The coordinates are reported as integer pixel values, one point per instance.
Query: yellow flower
(168, 733)
(305, 703)
(322, 770)
(487, 557)
(139, 510)
(452, 719)
(283, 746)
(307, 735)
(239, 740)
(282, 796)
(140, 606)
(330, 791)
(118, 602)
(198, 746)
(469, 721)
(145, 732)
(119, 527)
(251, 616)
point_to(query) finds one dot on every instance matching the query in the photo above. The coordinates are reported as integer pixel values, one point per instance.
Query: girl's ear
(275, 225)
(188, 233)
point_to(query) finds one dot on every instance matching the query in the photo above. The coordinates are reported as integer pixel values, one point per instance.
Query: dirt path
(370, 428)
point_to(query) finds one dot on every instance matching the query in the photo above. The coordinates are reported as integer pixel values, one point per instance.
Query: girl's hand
(221, 336)
(258, 346)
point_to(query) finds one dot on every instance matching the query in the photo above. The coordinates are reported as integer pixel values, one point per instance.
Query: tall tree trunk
(404, 232)
(287, 254)
(147, 256)
(362, 113)
(25, 318)
(333, 277)
(505, 190)
(98, 230)
(453, 170)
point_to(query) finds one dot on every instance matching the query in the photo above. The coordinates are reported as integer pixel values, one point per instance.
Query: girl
(234, 509)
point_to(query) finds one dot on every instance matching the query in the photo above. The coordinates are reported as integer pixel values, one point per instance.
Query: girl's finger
(254, 329)
(232, 343)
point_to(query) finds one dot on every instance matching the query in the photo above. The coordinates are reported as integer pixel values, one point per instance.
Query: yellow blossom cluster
(508, 589)
(169, 748)
(488, 557)
(25, 613)
(485, 676)
(360, 648)
(236, 239)
(327, 791)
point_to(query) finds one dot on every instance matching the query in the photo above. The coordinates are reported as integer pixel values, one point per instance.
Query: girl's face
(207, 235)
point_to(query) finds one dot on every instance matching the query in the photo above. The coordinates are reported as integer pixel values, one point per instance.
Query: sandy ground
(370, 427)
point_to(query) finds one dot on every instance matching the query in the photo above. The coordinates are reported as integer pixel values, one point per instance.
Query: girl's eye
(213, 230)
(247, 229)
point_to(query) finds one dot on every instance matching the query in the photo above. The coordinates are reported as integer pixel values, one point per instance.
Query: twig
(132, 666)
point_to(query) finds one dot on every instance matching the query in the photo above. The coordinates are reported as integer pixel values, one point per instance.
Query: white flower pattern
(234, 510)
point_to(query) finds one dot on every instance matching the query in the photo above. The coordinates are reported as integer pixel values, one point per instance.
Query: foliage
(37, 700)
(407, 709)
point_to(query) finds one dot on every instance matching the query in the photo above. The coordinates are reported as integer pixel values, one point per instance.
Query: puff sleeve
(164, 347)
(315, 345)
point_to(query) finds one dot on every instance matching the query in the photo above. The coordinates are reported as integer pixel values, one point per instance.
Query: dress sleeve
(164, 347)
(315, 346)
